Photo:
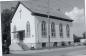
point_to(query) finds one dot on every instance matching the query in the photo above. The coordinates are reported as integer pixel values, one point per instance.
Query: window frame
(43, 28)
(53, 33)
(28, 29)
(61, 30)
(68, 30)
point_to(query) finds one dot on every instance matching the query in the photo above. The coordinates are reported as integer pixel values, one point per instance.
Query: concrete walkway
(45, 50)
(80, 53)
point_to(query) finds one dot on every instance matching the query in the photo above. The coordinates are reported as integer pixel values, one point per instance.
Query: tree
(5, 23)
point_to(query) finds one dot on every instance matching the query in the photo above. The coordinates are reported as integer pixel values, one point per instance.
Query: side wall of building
(40, 39)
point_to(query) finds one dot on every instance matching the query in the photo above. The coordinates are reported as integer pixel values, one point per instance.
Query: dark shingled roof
(42, 8)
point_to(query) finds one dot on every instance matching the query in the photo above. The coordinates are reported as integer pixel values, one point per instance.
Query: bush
(32, 47)
(69, 43)
(84, 43)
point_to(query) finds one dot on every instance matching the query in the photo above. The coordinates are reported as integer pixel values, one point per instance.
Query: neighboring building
(31, 27)
(83, 40)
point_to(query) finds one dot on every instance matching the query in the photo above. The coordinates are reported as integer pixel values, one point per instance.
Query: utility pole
(49, 22)
(85, 12)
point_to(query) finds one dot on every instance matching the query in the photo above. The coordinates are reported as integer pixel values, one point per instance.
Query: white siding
(21, 23)
(53, 39)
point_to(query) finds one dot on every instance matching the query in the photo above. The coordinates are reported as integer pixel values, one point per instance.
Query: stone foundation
(59, 44)
(40, 45)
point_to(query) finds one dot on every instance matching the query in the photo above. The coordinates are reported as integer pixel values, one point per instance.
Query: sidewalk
(44, 50)
(80, 53)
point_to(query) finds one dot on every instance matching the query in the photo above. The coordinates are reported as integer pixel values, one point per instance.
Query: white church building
(38, 25)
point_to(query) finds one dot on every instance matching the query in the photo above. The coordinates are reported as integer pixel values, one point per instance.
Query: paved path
(78, 53)
(69, 51)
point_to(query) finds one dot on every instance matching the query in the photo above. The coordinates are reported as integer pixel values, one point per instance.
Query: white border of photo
(0, 33)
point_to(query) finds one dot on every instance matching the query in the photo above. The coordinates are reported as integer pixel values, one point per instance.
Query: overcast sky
(72, 8)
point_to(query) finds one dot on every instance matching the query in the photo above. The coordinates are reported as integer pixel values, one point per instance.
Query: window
(61, 30)
(53, 34)
(43, 44)
(63, 44)
(43, 26)
(55, 44)
(28, 29)
(68, 30)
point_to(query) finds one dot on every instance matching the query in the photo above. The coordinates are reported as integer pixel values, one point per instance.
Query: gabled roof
(41, 8)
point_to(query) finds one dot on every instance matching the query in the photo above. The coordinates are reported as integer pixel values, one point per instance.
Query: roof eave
(54, 17)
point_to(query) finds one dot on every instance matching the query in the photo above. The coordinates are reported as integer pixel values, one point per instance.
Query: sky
(72, 8)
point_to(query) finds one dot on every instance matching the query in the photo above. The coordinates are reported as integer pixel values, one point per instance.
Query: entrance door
(21, 35)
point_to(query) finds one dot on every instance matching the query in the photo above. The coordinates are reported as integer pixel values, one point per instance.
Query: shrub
(84, 43)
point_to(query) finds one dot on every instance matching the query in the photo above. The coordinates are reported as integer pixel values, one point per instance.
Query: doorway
(21, 35)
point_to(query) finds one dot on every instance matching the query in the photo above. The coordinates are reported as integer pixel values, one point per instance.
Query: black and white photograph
(43, 28)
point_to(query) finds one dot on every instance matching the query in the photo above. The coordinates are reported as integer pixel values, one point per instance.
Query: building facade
(32, 28)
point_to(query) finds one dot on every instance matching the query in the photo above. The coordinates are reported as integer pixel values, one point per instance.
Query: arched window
(43, 28)
(61, 30)
(53, 29)
(28, 29)
(68, 30)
